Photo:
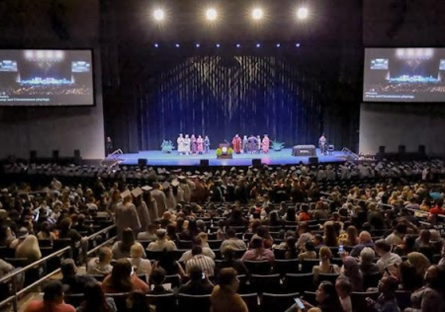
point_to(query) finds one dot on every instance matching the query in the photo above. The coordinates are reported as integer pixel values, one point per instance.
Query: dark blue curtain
(224, 95)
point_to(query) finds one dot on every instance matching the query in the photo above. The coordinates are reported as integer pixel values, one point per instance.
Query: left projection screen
(31, 77)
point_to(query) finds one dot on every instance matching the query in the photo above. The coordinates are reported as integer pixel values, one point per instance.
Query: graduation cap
(181, 177)
(125, 194)
(232, 169)
(175, 183)
(137, 192)
(165, 185)
(223, 173)
(147, 188)
(197, 172)
(188, 173)
(217, 172)
(292, 168)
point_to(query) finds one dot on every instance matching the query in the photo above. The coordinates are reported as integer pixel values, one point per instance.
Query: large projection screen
(32, 77)
(404, 75)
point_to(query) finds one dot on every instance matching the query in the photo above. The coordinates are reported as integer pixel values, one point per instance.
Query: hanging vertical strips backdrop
(221, 96)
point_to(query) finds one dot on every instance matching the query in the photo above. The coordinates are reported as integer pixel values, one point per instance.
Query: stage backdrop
(221, 96)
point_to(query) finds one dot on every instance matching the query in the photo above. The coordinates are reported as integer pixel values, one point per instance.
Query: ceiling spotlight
(156, 45)
(278, 45)
(158, 15)
(297, 45)
(218, 45)
(198, 45)
(302, 13)
(211, 14)
(257, 14)
(177, 45)
(238, 45)
(258, 45)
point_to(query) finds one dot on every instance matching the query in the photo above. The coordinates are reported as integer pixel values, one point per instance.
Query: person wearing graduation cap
(141, 209)
(160, 198)
(126, 215)
(187, 186)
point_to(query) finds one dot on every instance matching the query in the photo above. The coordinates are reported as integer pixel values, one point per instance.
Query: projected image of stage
(404, 74)
(283, 157)
(46, 77)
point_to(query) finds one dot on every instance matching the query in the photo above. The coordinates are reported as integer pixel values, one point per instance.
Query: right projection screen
(404, 75)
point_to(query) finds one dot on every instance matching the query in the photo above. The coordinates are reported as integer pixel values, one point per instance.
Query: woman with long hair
(326, 297)
(351, 270)
(352, 236)
(122, 248)
(419, 261)
(290, 215)
(325, 264)
(95, 300)
(263, 232)
(123, 279)
(136, 302)
(330, 237)
(291, 248)
(169, 264)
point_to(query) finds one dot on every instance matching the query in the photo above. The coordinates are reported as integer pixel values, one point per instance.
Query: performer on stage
(187, 143)
(194, 144)
(322, 144)
(180, 142)
(200, 144)
(258, 144)
(251, 142)
(266, 144)
(245, 144)
(236, 142)
(109, 146)
(206, 144)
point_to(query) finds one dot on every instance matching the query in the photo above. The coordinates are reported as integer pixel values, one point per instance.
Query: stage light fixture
(257, 14)
(40, 55)
(302, 13)
(159, 15)
(177, 45)
(197, 45)
(211, 14)
(29, 54)
(278, 45)
(297, 45)
(156, 45)
(59, 54)
(238, 45)
(218, 45)
(258, 45)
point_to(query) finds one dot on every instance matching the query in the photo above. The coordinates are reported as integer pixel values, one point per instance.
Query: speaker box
(402, 149)
(33, 154)
(204, 162)
(256, 162)
(77, 153)
(381, 150)
(142, 162)
(313, 160)
(422, 149)
(55, 154)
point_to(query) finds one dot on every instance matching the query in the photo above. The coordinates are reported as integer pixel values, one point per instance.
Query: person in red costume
(236, 142)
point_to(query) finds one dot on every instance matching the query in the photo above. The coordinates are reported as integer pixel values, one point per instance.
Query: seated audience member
(122, 248)
(291, 248)
(410, 280)
(161, 243)
(232, 241)
(257, 252)
(308, 252)
(344, 289)
(150, 234)
(198, 259)
(95, 300)
(136, 302)
(263, 232)
(101, 265)
(123, 279)
(430, 297)
(365, 240)
(367, 265)
(169, 264)
(304, 215)
(199, 283)
(157, 279)
(52, 300)
(5, 268)
(351, 237)
(318, 241)
(206, 251)
(325, 263)
(75, 283)
(424, 246)
(330, 236)
(326, 297)
(229, 261)
(387, 301)
(45, 232)
(140, 265)
(396, 237)
(388, 260)
(224, 297)
(351, 271)
(29, 249)
(419, 261)
(304, 234)
(406, 247)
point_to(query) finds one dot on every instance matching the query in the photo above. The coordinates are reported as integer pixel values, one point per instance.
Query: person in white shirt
(388, 260)
(162, 242)
(140, 265)
(206, 251)
(232, 241)
(101, 265)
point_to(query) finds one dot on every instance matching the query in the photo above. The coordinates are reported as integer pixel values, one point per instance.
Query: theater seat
(266, 283)
(163, 303)
(251, 301)
(277, 302)
(194, 303)
(258, 267)
(299, 282)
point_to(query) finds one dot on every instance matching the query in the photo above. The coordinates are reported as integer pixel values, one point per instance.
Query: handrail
(101, 245)
(105, 230)
(29, 266)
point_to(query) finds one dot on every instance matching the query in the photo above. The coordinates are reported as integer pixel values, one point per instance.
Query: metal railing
(14, 275)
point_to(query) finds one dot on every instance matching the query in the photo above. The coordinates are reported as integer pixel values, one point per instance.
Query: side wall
(55, 24)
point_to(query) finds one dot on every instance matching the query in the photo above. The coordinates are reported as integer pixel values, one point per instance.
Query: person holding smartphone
(326, 297)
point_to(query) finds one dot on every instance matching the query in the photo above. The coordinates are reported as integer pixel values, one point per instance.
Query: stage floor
(284, 157)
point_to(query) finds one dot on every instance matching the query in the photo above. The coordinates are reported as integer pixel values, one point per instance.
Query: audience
(224, 297)
(157, 278)
(101, 265)
(140, 265)
(122, 248)
(95, 300)
(52, 300)
(199, 283)
(122, 279)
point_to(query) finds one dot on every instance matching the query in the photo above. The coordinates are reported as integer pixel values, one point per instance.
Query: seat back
(358, 300)
(330, 277)
(120, 299)
(308, 265)
(277, 302)
(299, 282)
(286, 266)
(74, 299)
(251, 301)
(371, 280)
(194, 303)
(403, 299)
(258, 267)
(265, 283)
(163, 303)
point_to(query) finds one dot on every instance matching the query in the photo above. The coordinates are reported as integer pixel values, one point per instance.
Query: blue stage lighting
(258, 45)
(198, 45)
(278, 45)
(177, 45)
(238, 45)
(156, 45)
(218, 45)
(297, 45)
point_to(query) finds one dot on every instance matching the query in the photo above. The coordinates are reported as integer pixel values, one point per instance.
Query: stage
(283, 157)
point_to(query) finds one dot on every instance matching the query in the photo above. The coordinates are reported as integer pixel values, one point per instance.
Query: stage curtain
(221, 96)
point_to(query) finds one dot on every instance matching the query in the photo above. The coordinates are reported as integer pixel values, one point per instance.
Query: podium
(224, 147)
